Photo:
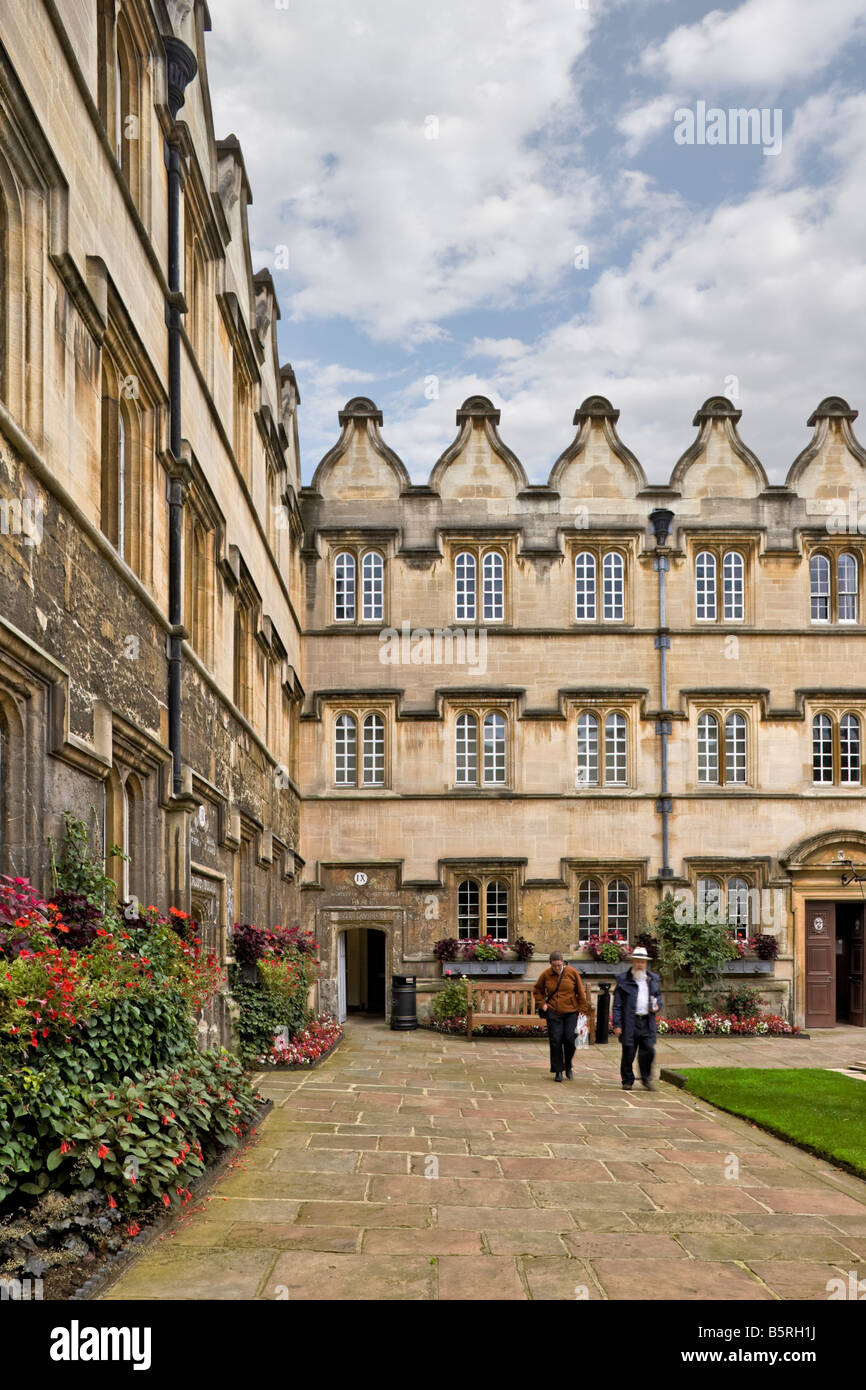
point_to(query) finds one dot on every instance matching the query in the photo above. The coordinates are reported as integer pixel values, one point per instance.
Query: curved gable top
(596, 462)
(478, 463)
(360, 466)
(833, 462)
(718, 463)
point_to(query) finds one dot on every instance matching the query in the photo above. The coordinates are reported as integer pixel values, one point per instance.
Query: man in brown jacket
(560, 996)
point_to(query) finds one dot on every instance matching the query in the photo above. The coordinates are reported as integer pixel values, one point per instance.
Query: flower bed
(456, 1026)
(313, 1045)
(727, 1025)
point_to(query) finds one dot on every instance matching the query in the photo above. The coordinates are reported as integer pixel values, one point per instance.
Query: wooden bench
(508, 1004)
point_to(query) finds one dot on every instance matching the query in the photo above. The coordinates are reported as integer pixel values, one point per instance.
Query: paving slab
(536, 1191)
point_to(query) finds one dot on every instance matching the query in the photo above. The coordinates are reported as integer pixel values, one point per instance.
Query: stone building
(508, 730)
(394, 712)
(149, 526)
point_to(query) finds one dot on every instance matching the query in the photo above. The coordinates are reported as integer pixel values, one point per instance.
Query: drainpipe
(661, 521)
(181, 69)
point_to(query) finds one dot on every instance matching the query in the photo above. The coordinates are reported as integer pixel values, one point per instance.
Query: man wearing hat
(636, 1001)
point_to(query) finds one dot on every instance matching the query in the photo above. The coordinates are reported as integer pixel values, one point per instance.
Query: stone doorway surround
(330, 921)
(816, 867)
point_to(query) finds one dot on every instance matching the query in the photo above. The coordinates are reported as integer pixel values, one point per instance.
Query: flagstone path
(414, 1166)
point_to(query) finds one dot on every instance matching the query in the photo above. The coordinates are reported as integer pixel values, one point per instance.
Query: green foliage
(452, 1001)
(79, 872)
(261, 1014)
(741, 1001)
(136, 1140)
(484, 951)
(278, 999)
(692, 954)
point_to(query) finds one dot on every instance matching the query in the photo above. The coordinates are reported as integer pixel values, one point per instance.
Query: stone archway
(817, 866)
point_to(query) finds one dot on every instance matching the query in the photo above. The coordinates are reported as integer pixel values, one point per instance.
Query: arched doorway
(828, 874)
(361, 971)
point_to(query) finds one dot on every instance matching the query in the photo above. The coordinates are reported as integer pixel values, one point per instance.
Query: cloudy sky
(491, 196)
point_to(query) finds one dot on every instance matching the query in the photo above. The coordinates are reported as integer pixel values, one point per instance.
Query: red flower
(111, 1202)
(133, 1228)
(165, 1198)
(102, 1151)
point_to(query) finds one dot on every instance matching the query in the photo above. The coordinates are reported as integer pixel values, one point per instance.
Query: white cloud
(762, 42)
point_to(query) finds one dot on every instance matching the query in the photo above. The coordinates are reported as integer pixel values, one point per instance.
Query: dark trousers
(561, 1029)
(642, 1044)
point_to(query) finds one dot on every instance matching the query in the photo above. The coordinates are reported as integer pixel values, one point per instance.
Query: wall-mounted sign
(817, 923)
(202, 816)
(360, 878)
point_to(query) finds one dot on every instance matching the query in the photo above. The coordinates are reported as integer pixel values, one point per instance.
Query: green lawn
(819, 1110)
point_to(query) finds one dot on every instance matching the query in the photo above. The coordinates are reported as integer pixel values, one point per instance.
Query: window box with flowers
(483, 957)
(608, 955)
(752, 957)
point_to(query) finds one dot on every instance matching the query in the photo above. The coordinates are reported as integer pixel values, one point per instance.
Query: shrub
(649, 943)
(139, 1141)
(452, 1001)
(692, 953)
(250, 943)
(610, 948)
(523, 949)
(741, 1002)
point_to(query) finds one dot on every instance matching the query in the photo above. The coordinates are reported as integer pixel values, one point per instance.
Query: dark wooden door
(857, 994)
(820, 965)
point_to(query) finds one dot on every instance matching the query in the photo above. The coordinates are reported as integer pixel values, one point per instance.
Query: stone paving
(414, 1166)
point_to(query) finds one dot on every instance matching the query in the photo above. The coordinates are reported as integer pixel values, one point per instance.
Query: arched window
(705, 586)
(129, 137)
(613, 577)
(497, 910)
(587, 750)
(344, 588)
(493, 577)
(372, 579)
(733, 586)
(846, 588)
(588, 909)
(709, 900)
(822, 748)
(374, 751)
(708, 748)
(467, 749)
(464, 587)
(618, 907)
(4, 762)
(615, 749)
(494, 748)
(738, 908)
(345, 751)
(584, 586)
(819, 579)
(735, 748)
(4, 292)
(468, 910)
(849, 749)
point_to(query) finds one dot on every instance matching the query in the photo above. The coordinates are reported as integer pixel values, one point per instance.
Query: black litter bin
(404, 1014)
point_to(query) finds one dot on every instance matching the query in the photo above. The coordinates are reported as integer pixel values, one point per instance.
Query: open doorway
(849, 963)
(361, 960)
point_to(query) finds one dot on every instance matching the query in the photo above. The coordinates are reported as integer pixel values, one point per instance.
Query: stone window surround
(629, 709)
(831, 550)
(359, 712)
(480, 712)
(599, 546)
(835, 711)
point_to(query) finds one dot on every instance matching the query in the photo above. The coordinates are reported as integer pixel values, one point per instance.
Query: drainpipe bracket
(664, 727)
(662, 642)
(664, 805)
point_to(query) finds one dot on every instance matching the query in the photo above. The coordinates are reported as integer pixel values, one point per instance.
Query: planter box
(748, 966)
(475, 968)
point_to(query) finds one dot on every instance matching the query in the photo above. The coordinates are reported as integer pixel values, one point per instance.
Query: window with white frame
(735, 748)
(588, 909)
(344, 587)
(468, 910)
(738, 908)
(846, 588)
(494, 748)
(618, 907)
(613, 577)
(496, 917)
(603, 905)
(710, 899)
(727, 900)
(373, 751)
(587, 750)
(705, 586)
(615, 750)
(493, 577)
(465, 571)
(584, 586)
(734, 586)
(345, 750)
(372, 580)
(708, 748)
(722, 761)
(849, 749)
(467, 750)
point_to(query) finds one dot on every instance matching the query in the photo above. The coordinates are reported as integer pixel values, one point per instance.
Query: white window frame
(345, 586)
(345, 750)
